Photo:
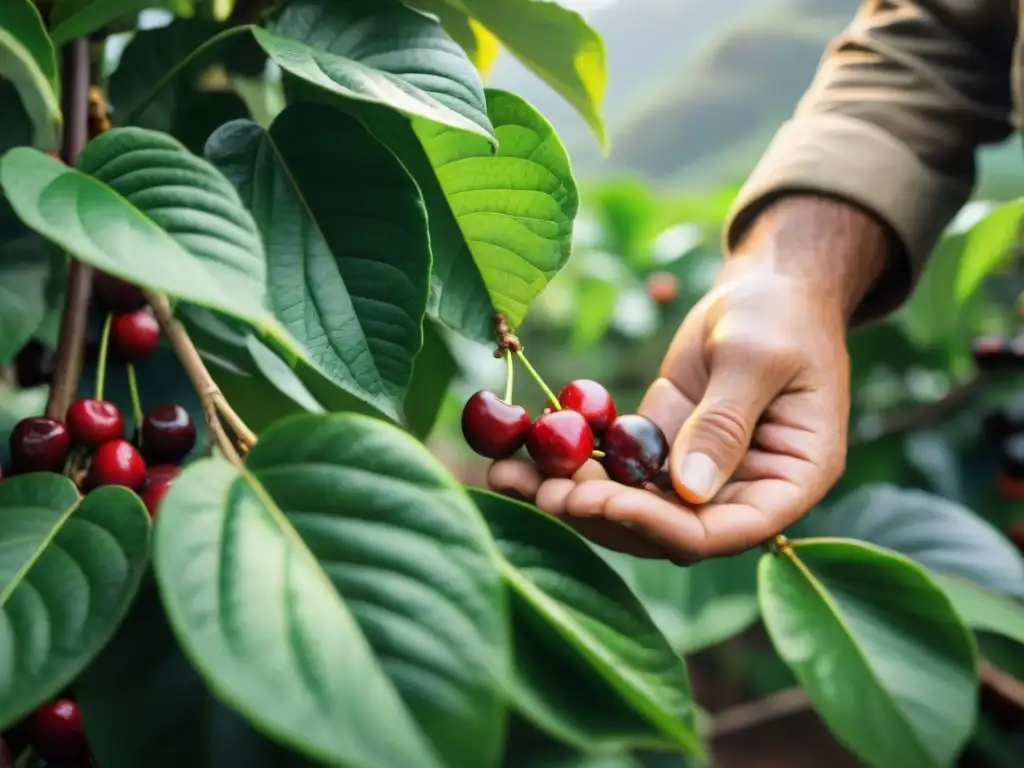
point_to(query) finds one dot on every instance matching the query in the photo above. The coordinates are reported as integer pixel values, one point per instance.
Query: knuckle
(726, 424)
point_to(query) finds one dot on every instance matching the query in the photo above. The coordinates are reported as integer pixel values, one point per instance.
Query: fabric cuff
(862, 164)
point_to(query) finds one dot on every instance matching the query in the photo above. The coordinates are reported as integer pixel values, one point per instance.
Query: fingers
(515, 478)
(713, 441)
(666, 406)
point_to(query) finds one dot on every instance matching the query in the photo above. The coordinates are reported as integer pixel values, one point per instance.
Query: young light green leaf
(150, 212)
(878, 648)
(78, 18)
(516, 208)
(380, 52)
(348, 252)
(570, 604)
(28, 60)
(556, 43)
(69, 568)
(345, 559)
(988, 246)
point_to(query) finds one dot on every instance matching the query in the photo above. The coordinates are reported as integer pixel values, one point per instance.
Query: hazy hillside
(697, 88)
(646, 40)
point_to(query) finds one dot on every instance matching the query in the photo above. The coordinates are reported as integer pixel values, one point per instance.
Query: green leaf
(697, 606)
(348, 252)
(984, 610)
(433, 371)
(27, 59)
(561, 584)
(556, 43)
(380, 52)
(458, 296)
(144, 705)
(940, 534)
(878, 648)
(595, 300)
(476, 40)
(69, 568)
(988, 247)
(516, 208)
(150, 212)
(24, 273)
(344, 560)
(78, 18)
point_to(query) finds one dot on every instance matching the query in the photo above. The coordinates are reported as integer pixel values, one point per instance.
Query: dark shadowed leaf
(348, 254)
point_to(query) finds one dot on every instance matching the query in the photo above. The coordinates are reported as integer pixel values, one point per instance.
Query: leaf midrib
(570, 631)
(22, 572)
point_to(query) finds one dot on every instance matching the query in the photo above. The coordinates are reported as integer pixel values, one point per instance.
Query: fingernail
(699, 474)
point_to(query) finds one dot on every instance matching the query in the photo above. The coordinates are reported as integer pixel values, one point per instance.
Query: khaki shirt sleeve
(901, 101)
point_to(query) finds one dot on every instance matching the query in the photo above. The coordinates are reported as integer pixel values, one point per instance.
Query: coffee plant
(236, 252)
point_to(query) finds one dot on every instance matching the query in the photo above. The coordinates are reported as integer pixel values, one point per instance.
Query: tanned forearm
(833, 246)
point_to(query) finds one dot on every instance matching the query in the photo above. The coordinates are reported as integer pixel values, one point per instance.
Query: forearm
(835, 248)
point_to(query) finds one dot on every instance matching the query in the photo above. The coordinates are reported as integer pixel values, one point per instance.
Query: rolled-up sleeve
(899, 105)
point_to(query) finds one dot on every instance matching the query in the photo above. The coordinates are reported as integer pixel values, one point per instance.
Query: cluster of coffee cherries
(580, 424)
(93, 430)
(55, 734)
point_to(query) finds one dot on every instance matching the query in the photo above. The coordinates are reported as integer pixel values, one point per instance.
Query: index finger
(666, 406)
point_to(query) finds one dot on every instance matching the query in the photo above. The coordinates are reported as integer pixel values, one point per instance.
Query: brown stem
(215, 405)
(71, 343)
(932, 413)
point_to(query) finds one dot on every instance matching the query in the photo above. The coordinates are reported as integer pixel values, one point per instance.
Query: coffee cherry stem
(540, 382)
(510, 373)
(597, 454)
(215, 405)
(101, 362)
(133, 392)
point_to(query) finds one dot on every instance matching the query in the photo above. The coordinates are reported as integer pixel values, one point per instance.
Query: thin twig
(215, 405)
(1005, 685)
(751, 714)
(74, 320)
(934, 412)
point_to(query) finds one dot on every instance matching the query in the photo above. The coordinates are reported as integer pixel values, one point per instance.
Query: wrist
(830, 247)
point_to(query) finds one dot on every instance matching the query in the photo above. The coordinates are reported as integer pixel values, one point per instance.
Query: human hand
(753, 396)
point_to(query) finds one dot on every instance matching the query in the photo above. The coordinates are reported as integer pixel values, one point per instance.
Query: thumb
(716, 437)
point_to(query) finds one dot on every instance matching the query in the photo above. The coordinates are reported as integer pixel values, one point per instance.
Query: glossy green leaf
(380, 52)
(989, 246)
(344, 560)
(940, 534)
(515, 209)
(144, 705)
(24, 272)
(78, 18)
(348, 252)
(150, 212)
(556, 43)
(587, 618)
(458, 296)
(697, 606)
(878, 648)
(27, 59)
(69, 568)
(984, 610)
